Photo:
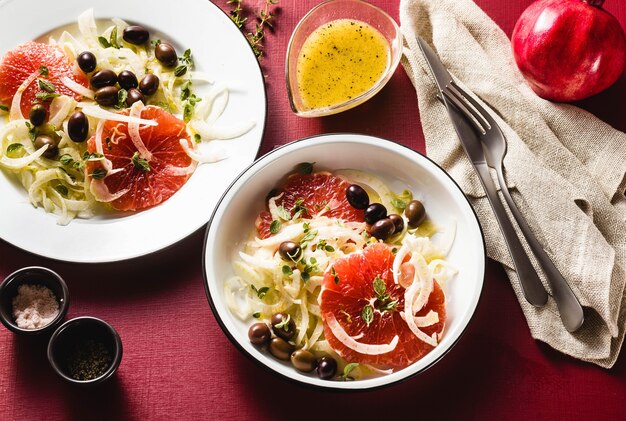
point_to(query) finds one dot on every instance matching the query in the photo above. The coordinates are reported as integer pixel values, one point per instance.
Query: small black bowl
(84, 332)
(34, 275)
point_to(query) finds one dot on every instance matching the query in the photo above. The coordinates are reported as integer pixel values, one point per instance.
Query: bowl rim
(117, 355)
(63, 300)
(330, 387)
(359, 99)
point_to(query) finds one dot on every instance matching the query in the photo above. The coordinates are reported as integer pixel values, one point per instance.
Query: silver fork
(494, 146)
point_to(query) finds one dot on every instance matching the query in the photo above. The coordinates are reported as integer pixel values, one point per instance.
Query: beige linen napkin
(565, 169)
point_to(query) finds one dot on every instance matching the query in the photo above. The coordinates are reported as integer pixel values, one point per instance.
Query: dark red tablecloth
(179, 365)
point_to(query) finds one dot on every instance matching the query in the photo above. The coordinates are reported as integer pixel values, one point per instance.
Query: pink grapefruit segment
(19, 63)
(354, 290)
(146, 188)
(319, 193)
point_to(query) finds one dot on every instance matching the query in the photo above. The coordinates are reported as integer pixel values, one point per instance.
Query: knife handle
(569, 307)
(533, 289)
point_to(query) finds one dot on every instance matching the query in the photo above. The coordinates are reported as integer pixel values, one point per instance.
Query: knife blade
(532, 288)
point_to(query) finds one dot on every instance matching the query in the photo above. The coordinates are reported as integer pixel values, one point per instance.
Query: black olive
(134, 95)
(136, 35)
(107, 96)
(102, 78)
(357, 196)
(78, 127)
(415, 213)
(149, 84)
(87, 61)
(290, 251)
(37, 115)
(374, 212)
(283, 328)
(127, 80)
(326, 368)
(280, 348)
(382, 229)
(52, 150)
(303, 360)
(398, 222)
(166, 54)
(259, 334)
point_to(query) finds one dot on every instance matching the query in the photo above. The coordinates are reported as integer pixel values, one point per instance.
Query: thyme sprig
(264, 20)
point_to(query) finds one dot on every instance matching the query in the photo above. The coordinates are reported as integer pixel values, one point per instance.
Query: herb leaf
(347, 370)
(45, 96)
(283, 214)
(66, 159)
(43, 71)
(284, 324)
(379, 287)
(98, 173)
(180, 70)
(4, 107)
(261, 291)
(367, 314)
(62, 190)
(305, 167)
(122, 95)
(140, 163)
(104, 42)
(275, 226)
(287, 270)
(400, 201)
(113, 38)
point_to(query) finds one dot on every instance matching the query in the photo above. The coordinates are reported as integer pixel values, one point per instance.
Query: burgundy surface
(179, 365)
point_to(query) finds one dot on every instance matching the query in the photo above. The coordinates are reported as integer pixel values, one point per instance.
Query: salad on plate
(108, 119)
(341, 276)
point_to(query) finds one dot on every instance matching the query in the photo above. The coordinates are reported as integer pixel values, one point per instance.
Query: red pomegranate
(569, 49)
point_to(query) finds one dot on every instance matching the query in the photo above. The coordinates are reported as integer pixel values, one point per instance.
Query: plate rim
(330, 387)
(263, 124)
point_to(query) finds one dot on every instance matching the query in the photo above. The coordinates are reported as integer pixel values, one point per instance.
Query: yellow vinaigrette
(339, 61)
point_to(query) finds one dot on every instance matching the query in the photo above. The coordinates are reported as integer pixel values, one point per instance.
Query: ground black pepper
(88, 360)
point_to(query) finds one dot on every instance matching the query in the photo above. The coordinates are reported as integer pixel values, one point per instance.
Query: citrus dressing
(339, 61)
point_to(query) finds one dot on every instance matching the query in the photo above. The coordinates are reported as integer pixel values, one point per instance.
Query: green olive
(303, 360)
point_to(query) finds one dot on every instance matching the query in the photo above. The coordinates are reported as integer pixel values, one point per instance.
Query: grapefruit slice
(169, 165)
(348, 287)
(317, 193)
(21, 62)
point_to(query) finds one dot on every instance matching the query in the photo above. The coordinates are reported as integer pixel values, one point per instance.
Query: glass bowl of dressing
(340, 55)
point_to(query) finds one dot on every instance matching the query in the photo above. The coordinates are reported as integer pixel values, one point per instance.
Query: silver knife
(533, 289)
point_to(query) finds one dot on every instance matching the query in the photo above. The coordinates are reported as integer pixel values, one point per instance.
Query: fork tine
(459, 101)
(484, 115)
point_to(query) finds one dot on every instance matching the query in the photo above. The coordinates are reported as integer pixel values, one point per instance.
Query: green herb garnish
(287, 270)
(140, 163)
(98, 173)
(347, 370)
(4, 108)
(284, 324)
(180, 70)
(104, 42)
(400, 201)
(261, 291)
(275, 226)
(367, 314)
(283, 214)
(305, 167)
(113, 38)
(62, 190)
(122, 95)
(66, 159)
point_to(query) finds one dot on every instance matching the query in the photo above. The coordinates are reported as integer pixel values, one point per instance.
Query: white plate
(219, 49)
(401, 168)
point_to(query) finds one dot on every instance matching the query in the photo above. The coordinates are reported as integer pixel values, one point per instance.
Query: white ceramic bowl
(400, 167)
